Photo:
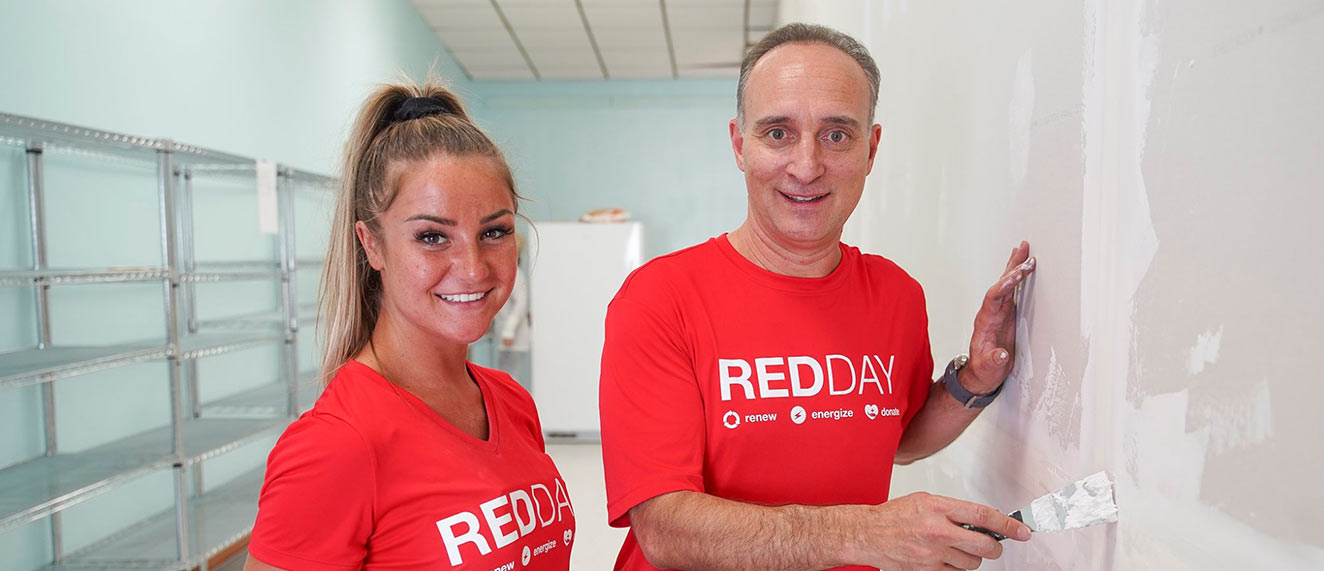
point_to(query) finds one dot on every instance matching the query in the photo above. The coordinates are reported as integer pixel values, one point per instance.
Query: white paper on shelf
(268, 206)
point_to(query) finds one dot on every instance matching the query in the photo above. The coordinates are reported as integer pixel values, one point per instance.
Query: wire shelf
(26, 278)
(216, 520)
(233, 271)
(265, 401)
(37, 488)
(34, 366)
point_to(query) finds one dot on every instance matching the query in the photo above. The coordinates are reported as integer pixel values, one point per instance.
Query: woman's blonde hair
(399, 125)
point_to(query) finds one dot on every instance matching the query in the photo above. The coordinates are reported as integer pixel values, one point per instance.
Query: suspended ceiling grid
(598, 39)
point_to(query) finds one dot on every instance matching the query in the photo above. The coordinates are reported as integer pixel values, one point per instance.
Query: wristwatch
(958, 392)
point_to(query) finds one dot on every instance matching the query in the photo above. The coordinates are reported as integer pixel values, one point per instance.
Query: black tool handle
(989, 532)
(1016, 515)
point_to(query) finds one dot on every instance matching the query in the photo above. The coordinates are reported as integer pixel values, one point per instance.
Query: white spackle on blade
(1081, 504)
(1205, 351)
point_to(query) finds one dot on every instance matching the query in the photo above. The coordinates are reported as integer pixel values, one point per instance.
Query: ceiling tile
(554, 38)
(762, 15)
(472, 59)
(636, 58)
(631, 38)
(476, 38)
(563, 58)
(724, 50)
(539, 15)
(631, 16)
(706, 15)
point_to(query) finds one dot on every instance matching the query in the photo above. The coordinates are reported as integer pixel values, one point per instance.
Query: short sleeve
(651, 409)
(315, 509)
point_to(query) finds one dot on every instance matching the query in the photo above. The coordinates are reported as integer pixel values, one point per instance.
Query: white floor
(596, 544)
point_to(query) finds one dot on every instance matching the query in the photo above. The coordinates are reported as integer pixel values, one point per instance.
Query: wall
(659, 149)
(1162, 158)
(276, 80)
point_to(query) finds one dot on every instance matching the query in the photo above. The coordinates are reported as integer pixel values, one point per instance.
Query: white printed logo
(731, 419)
(567, 535)
(871, 411)
(798, 414)
(526, 555)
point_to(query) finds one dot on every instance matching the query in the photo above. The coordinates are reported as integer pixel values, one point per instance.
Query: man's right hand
(923, 531)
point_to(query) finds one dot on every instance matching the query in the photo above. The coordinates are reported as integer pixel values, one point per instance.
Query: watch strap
(958, 392)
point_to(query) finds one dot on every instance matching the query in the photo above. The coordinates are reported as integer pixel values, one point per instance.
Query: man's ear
(737, 144)
(875, 135)
(371, 246)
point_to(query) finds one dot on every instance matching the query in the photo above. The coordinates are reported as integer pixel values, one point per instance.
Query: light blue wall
(254, 77)
(659, 149)
(278, 80)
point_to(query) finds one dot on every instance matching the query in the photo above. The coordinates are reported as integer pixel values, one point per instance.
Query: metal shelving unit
(200, 524)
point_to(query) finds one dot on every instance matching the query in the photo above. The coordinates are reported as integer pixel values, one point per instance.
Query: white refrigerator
(575, 270)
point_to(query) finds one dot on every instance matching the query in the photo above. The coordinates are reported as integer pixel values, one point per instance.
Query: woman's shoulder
(504, 387)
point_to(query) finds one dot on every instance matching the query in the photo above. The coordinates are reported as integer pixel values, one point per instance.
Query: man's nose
(806, 163)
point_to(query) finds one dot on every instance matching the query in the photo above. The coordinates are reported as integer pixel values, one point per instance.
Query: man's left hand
(993, 345)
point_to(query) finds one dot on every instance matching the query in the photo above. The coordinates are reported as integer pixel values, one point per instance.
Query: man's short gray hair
(798, 32)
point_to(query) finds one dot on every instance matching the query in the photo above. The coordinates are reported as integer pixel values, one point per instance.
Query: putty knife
(1083, 503)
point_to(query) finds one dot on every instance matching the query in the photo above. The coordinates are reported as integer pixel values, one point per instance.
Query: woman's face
(445, 248)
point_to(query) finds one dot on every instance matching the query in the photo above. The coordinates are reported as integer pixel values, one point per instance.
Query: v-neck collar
(493, 423)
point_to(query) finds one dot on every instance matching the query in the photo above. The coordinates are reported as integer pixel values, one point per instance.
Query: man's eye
(777, 134)
(837, 136)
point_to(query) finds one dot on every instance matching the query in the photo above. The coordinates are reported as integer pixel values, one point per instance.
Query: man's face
(806, 143)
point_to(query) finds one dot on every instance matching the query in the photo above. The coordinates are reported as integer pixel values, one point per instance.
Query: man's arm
(992, 350)
(693, 530)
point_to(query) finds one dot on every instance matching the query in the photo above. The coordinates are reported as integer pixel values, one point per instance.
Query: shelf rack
(200, 524)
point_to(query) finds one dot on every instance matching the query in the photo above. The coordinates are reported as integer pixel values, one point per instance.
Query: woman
(414, 458)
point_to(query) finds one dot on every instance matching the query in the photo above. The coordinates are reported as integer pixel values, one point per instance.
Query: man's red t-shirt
(721, 377)
(373, 478)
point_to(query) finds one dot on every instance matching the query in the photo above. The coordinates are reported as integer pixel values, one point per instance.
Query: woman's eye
(496, 233)
(431, 238)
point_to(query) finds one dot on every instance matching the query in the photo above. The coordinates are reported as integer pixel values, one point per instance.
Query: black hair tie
(416, 107)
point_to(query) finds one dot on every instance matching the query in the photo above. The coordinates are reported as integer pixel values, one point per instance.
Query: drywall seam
(1118, 241)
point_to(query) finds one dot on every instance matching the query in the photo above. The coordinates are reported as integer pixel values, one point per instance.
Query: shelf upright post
(189, 302)
(170, 258)
(42, 291)
(289, 294)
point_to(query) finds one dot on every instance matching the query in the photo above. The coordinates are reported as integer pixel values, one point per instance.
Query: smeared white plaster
(1022, 369)
(1205, 351)
(1165, 525)
(1239, 422)
(1020, 118)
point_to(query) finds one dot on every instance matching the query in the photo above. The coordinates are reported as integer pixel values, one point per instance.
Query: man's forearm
(935, 426)
(693, 530)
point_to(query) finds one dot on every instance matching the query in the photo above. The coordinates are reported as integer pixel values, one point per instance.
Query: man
(757, 388)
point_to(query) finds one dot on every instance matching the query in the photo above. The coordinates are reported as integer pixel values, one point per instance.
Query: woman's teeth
(462, 297)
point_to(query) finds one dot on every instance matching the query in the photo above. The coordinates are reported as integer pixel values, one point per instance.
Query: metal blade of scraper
(1082, 503)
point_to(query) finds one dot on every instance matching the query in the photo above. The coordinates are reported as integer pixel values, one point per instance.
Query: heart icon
(871, 411)
(567, 535)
